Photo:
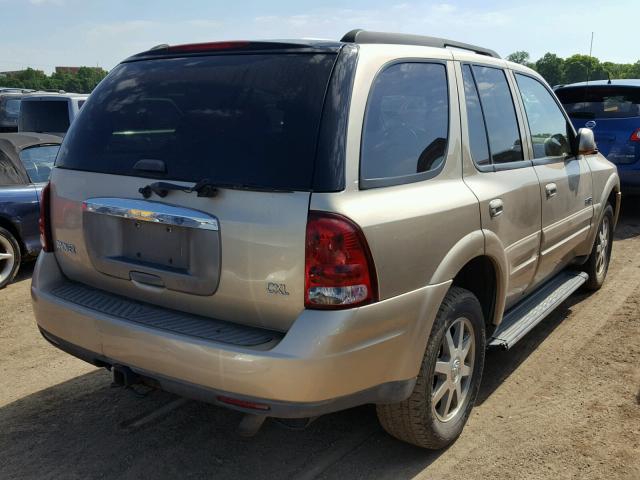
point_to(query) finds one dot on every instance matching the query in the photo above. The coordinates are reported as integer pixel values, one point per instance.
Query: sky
(46, 33)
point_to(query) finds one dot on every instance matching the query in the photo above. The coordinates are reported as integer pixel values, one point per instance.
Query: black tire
(415, 420)
(9, 245)
(596, 272)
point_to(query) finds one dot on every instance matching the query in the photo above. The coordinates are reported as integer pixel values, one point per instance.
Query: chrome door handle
(496, 207)
(551, 189)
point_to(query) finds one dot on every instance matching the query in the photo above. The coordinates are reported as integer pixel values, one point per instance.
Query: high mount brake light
(339, 270)
(207, 47)
(44, 222)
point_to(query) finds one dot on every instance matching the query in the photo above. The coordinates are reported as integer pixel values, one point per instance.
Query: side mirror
(586, 142)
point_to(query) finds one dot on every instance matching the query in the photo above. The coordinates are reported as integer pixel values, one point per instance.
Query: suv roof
(363, 36)
(625, 82)
(50, 95)
(357, 36)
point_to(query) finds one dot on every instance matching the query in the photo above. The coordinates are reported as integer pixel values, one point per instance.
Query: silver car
(294, 228)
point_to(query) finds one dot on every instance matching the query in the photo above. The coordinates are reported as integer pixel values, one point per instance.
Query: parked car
(294, 228)
(25, 164)
(49, 112)
(9, 110)
(612, 111)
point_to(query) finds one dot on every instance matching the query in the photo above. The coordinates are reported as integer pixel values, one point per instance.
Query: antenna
(590, 57)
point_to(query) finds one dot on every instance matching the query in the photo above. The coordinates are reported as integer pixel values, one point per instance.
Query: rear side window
(505, 144)
(249, 119)
(609, 101)
(44, 116)
(478, 143)
(550, 131)
(12, 107)
(8, 173)
(405, 131)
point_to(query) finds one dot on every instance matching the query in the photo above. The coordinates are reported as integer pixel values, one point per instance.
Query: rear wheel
(598, 263)
(449, 378)
(9, 257)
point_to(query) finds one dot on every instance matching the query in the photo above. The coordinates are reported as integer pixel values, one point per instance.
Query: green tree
(579, 68)
(520, 57)
(83, 81)
(551, 67)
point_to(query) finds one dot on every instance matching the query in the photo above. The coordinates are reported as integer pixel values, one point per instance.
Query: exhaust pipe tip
(123, 376)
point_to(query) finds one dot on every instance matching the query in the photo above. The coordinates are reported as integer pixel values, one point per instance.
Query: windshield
(248, 119)
(600, 102)
(38, 161)
(44, 116)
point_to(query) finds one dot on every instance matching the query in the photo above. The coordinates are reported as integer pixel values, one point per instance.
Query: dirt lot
(564, 403)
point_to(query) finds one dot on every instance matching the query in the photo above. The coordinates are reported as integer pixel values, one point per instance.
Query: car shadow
(629, 221)
(78, 429)
(25, 272)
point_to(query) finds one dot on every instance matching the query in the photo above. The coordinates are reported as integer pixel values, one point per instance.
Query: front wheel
(598, 263)
(447, 385)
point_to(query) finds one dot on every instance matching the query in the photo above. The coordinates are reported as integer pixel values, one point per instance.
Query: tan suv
(294, 228)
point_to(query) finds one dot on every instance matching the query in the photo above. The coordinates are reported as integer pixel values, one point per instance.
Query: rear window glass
(406, 124)
(600, 102)
(233, 119)
(38, 161)
(44, 116)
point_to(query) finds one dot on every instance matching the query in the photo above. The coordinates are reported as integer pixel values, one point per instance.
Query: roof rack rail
(364, 36)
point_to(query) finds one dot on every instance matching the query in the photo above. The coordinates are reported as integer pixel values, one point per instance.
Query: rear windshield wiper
(204, 188)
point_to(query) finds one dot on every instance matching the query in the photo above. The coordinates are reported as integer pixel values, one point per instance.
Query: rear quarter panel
(410, 228)
(20, 206)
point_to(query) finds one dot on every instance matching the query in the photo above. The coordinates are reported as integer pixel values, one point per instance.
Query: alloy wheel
(453, 370)
(7, 258)
(602, 247)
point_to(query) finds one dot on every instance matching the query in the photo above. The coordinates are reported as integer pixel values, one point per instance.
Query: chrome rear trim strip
(148, 211)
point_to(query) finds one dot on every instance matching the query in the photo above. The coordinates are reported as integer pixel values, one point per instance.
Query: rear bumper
(327, 361)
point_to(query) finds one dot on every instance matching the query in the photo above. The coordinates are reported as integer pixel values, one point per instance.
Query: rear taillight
(339, 270)
(44, 222)
(635, 136)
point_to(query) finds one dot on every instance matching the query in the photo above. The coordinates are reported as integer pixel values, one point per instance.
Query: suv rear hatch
(44, 114)
(246, 124)
(612, 112)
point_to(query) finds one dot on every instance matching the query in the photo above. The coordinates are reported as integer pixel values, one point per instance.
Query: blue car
(612, 110)
(26, 160)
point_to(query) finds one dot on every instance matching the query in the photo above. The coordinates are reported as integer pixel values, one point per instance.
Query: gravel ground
(564, 403)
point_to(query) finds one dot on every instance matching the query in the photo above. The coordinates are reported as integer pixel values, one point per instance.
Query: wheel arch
(7, 224)
(478, 263)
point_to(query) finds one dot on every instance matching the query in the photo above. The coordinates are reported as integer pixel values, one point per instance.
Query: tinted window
(44, 116)
(475, 120)
(406, 122)
(8, 173)
(601, 102)
(12, 107)
(547, 124)
(80, 103)
(38, 161)
(241, 119)
(499, 113)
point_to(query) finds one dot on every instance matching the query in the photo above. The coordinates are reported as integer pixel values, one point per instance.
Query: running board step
(526, 315)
